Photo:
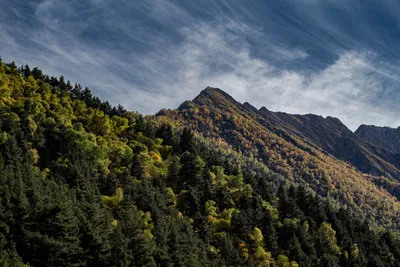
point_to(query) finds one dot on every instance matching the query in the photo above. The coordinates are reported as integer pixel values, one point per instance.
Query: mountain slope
(333, 137)
(385, 138)
(83, 183)
(217, 115)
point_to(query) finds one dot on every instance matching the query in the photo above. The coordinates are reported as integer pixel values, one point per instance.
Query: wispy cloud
(346, 89)
(293, 56)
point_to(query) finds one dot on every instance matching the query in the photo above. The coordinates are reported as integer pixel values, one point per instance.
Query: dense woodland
(83, 183)
(218, 116)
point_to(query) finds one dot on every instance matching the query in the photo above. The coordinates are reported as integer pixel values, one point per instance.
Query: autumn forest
(211, 183)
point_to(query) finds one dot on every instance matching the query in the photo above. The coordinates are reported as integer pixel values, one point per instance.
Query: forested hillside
(86, 184)
(220, 117)
(332, 136)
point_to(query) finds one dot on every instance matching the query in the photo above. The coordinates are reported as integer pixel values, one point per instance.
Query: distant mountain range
(371, 149)
(385, 138)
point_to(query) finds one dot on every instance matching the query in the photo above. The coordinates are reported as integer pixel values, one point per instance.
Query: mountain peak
(381, 128)
(264, 109)
(383, 137)
(213, 95)
(212, 92)
(336, 121)
(250, 107)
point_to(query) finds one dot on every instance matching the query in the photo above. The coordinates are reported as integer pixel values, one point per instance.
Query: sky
(337, 58)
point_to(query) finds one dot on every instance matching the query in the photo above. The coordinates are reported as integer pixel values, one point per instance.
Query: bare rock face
(383, 137)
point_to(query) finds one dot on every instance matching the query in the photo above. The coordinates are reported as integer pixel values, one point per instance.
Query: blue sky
(329, 57)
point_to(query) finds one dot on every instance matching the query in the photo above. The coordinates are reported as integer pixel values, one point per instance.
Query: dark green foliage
(86, 184)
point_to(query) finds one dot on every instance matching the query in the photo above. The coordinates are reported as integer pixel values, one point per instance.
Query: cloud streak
(293, 56)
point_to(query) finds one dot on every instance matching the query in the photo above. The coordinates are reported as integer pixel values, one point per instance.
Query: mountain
(333, 137)
(212, 183)
(330, 136)
(301, 148)
(385, 138)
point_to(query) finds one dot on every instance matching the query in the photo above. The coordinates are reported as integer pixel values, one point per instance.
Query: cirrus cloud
(293, 56)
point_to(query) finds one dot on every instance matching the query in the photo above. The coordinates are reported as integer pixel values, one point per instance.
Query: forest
(83, 183)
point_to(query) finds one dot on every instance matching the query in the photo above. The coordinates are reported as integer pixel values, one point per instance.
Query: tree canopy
(83, 183)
